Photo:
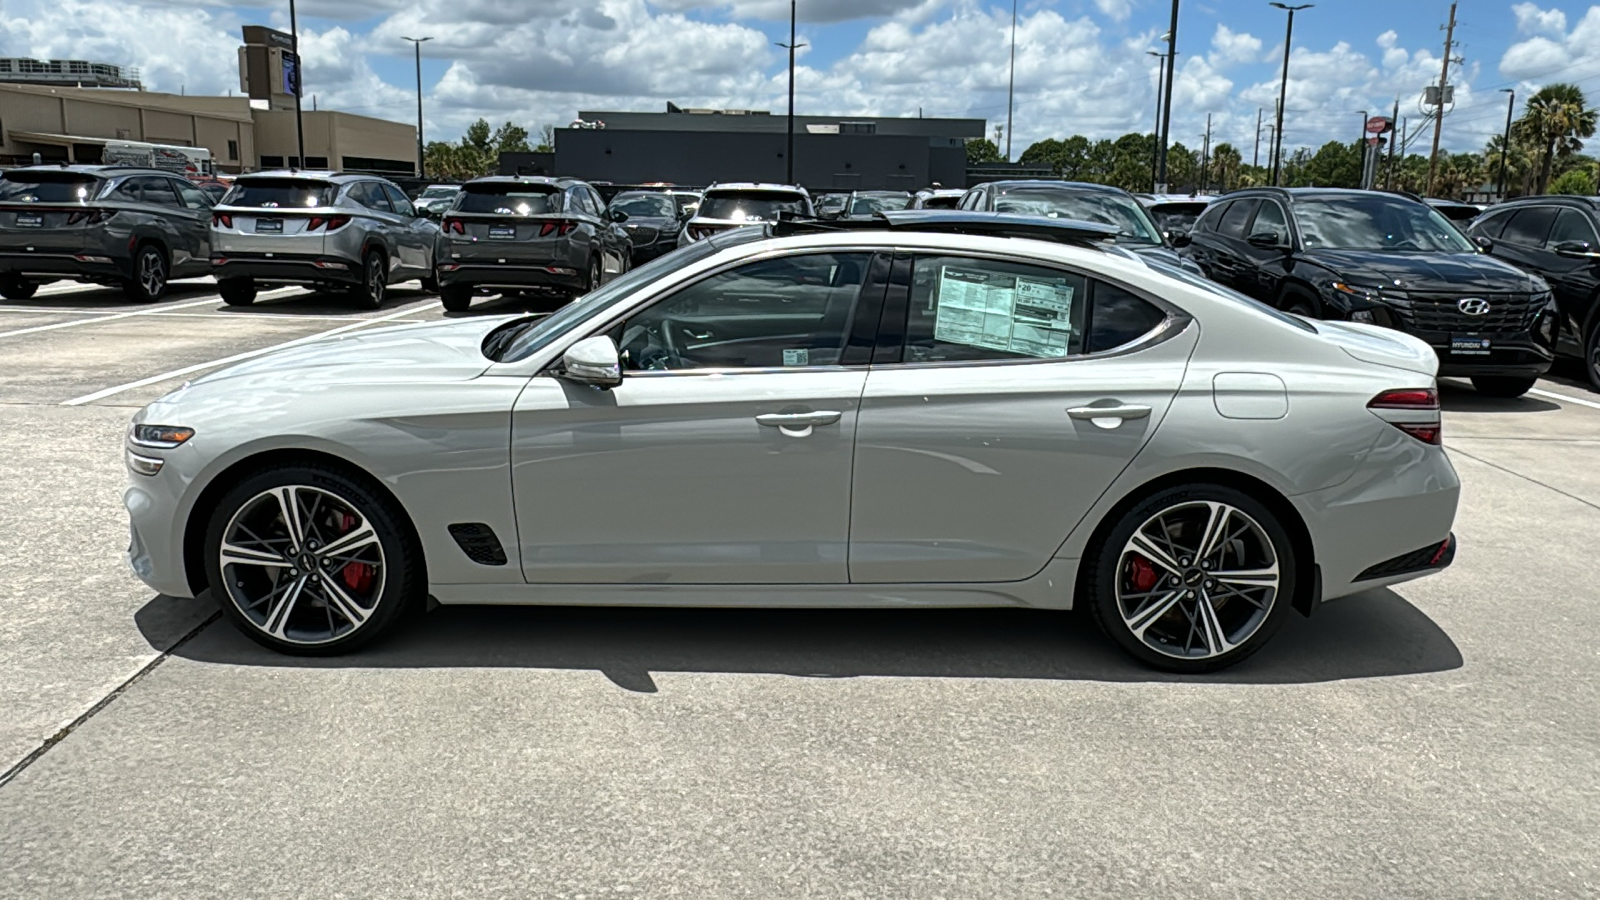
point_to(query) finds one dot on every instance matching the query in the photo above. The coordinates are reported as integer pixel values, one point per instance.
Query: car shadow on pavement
(1463, 398)
(110, 299)
(1374, 634)
(310, 302)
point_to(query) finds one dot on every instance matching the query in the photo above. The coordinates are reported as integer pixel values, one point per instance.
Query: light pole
(1011, 88)
(422, 164)
(1283, 88)
(1505, 142)
(299, 83)
(1171, 37)
(1155, 158)
(788, 155)
(1362, 134)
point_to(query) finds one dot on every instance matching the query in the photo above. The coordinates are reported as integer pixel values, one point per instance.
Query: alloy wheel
(302, 564)
(375, 280)
(1197, 580)
(152, 273)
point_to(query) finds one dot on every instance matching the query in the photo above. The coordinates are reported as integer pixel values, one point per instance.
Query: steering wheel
(670, 344)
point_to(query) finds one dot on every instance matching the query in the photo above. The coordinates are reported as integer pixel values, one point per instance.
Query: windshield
(869, 204)
(649, 206)
(43, 187)
(280, 193)
(540, 333)
(941, 202)
(510, 199)
(1131, 221)
(742, 206)
(1375, 222)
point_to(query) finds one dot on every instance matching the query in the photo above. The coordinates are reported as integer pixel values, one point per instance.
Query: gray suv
(355, 233)
(132, 227)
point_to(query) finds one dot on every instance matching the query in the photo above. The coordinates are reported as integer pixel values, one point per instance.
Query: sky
(1081, 65)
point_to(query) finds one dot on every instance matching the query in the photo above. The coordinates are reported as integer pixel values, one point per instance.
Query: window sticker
(801, 357)
(1031, 316)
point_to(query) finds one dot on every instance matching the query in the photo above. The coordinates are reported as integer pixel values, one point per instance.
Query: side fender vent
(479, 543)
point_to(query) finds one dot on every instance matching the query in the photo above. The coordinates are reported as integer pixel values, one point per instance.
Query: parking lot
(1438, 739)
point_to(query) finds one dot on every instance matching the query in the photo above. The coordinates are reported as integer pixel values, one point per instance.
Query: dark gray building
(749, 121)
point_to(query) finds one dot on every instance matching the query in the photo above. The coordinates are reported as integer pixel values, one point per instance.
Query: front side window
(1236, 217)
(980, 309)
(1123, 212)
(193, 197)
(788, 312)
(1270, 219)
(1376, 222)
(398, 200)
(1572, 226)
(157, 191)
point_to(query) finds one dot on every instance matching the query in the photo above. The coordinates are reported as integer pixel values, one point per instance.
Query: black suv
(1557, 239)
(1384, 259)
(121, 225)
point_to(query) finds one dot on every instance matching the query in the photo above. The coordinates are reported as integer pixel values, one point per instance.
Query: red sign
(1379, 125)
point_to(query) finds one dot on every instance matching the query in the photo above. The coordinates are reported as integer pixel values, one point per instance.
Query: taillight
(568, 227)
(454, 226)
(223, 219)
(562, 228)
(88, 216)
(1413, 400)
(333, 223)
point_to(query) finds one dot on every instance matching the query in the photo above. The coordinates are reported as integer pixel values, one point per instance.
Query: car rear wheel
(1192, 579)
(1591, 357)
(149, 281)
(1502, 385)
(374, 281)
(15, 287)
(594, 277)
(307, 560)
(456, 297)
(237, 291)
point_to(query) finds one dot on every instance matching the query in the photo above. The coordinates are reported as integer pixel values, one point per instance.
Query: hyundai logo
(1473, 306)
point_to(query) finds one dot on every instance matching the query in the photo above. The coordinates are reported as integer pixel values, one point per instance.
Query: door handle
(799, 420)
(1108, 412)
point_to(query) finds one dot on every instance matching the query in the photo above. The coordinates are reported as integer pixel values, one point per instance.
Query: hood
(1425, 272)
(428, 351)
(662, 223)
(1381, 346)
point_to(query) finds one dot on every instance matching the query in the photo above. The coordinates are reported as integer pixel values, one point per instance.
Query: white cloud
(1115, 10)
(1229, 46)
(820, 11)
(1533, 20)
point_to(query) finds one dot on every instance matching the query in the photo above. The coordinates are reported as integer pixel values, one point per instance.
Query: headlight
(161, 437)
(1371, 295)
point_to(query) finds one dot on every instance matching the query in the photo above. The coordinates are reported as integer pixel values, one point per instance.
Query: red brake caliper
(358, 575)
(1141, 575)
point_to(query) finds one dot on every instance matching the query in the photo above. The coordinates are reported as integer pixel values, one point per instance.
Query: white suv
(725, 206)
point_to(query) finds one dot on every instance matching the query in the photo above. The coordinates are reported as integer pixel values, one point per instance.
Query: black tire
(1591, 356)
(1107, 564)
(1300, 304)
(1508, 386)
(15, 287)
(237, 291)
(368, 294)
(150, 274)
(595, 274)
(431, 285)
(456, 297)
(401, 590)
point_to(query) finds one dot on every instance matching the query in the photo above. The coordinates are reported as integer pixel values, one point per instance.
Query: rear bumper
(87, 266)
(507, 275)
(290, 269)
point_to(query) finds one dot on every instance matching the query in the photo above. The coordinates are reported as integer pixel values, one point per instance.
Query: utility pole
(1011, 89)
(1394, 135)
(1444, 81)
(1505, 142)
(299, 82)
(1166, 107)
(422, 165)
(1283, 88)
(1255, 155)
(1155, 155)
(1205, 157)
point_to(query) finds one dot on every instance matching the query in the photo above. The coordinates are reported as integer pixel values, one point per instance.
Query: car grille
(640, 234)
(1508, 313)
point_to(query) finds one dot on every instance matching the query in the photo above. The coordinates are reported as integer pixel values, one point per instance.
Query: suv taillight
(223, 219)
(333, 223)
(550, 228)
(454, 226)
(88, 216)
(1413, 400)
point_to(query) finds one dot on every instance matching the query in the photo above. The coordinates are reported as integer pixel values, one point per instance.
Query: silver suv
(725, 206)
(355, 233)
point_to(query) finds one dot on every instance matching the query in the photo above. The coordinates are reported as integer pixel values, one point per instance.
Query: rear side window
(398, 200)
(44, 187)
(510, 199)
(158, 191)
(1118, 317)
(1234, 218)
(1528, 227)
(1208, 220)
(281, 193)
(982, 309)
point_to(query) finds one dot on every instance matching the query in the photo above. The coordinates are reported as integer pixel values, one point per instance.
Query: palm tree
(1556, 119)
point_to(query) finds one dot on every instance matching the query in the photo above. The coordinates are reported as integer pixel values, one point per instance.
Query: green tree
(547, 139)
(1183, 169)
(1556, 120)
(982, 150)
(509, 138)
(1226, 162)
(1574, 181)
(1073, 162)
(1043, 153)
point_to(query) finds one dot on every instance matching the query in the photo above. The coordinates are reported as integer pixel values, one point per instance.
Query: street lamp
(1505, 142)
(1362, 134)
(1171, 37)
(1283, 87)
(299, 83)
(788, 156)
(422, 165)
(1155, 158)
(1011, 87)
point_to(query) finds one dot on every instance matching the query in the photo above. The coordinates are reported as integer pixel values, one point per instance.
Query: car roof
(757, 186)
(310, 175)
(880, 193)
(524, 179)
(958, 221)
(106, 171)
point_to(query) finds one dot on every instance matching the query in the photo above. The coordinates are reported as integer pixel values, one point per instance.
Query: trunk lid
(276, 215)
(1381, 346)
(517, 222)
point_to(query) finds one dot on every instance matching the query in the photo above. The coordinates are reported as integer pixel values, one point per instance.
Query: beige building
(73, 124)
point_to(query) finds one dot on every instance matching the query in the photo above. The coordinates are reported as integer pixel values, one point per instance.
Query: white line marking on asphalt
(1563, 397)
(52, 311)
(127, 315)
(198, 367)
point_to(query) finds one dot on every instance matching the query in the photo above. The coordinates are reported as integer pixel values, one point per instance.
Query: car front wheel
(1591, 357)
(15, 287)
(307, 560)
(1502, 385)
(1192, 579)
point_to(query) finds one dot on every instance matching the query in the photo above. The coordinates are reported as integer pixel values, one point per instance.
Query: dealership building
(67, 110)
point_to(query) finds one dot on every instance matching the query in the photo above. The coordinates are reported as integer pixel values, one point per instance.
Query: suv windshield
(868, 204)
(741, 206)
(280, 193)
(1132, 223)
(649, 206)
(47, 187)
(510, 199)
(1375, 222)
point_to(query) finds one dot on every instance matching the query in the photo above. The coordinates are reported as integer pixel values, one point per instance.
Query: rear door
(414, 236)
(1262, 269)
(1003, 399)
(1229, 262)
(1573, 280)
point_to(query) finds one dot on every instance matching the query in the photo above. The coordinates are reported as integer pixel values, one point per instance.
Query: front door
(984, 443)
(724, 457)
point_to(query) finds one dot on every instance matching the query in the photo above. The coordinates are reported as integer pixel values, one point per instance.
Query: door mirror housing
(1484, 244)
(617, 215)
(1576, 250)
(593, 361)
(1268, 240)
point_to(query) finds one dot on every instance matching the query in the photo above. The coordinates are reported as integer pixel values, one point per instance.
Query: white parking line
(1564, 398)
(127, 315)
(199, 367)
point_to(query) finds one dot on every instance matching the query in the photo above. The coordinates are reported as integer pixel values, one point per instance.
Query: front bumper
(85, 266)
(282, 268)
(155, 535)
(511, 275)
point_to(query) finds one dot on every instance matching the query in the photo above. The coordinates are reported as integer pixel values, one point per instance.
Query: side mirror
(1483, 243)
(593, 361)
(1181, 239)
(1576, 250)
(617, 215)
(1267, 240)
